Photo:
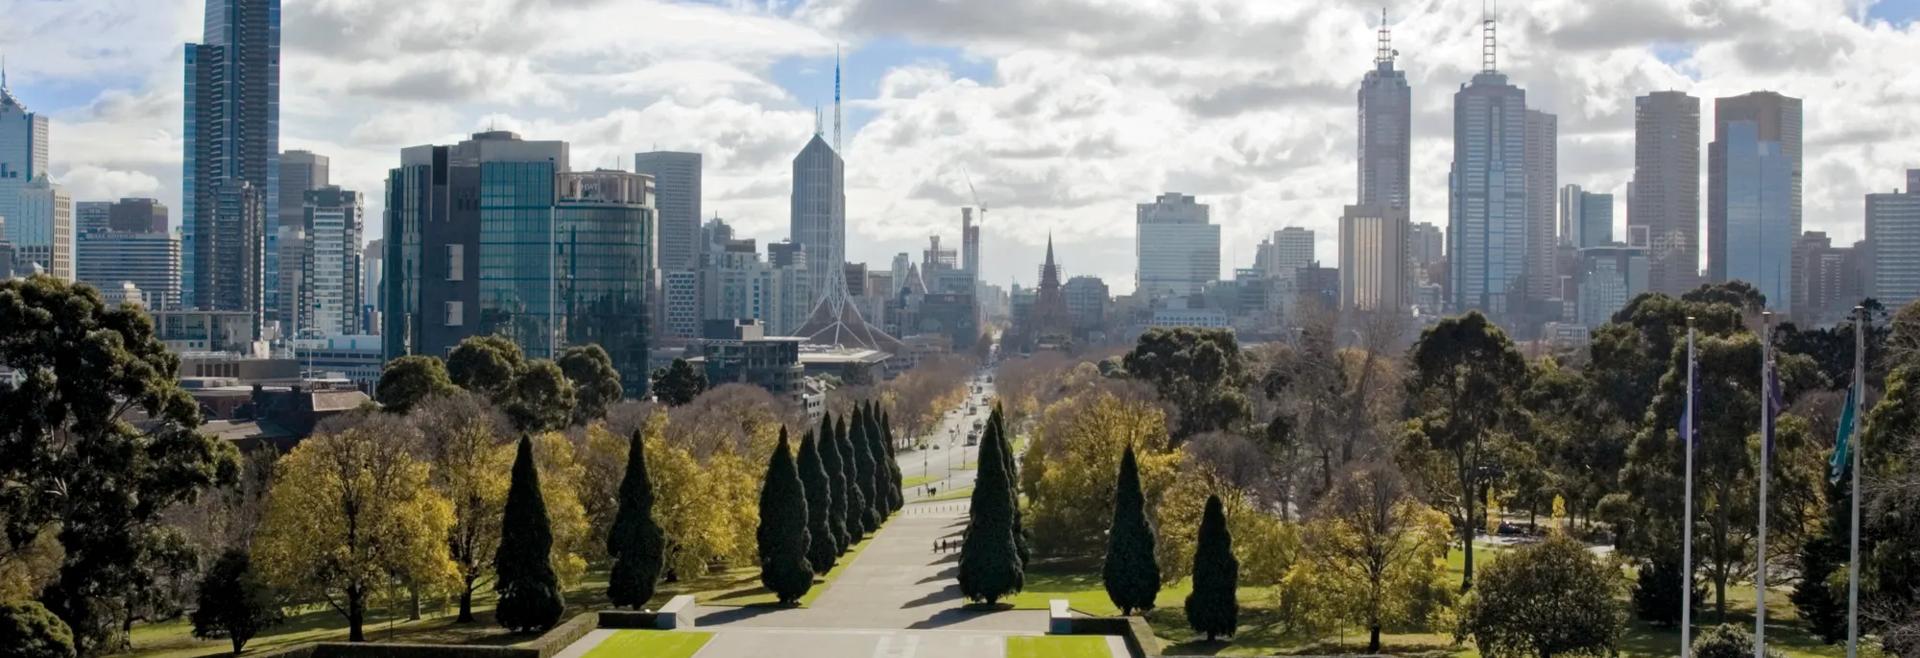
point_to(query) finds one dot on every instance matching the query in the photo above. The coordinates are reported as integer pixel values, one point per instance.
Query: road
(947, 448)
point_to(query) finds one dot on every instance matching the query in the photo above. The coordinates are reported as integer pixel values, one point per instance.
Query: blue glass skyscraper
(1487, 205)
(1753, 193)
(231, 169)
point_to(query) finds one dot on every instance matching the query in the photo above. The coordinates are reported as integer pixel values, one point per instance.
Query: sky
(1058, 115)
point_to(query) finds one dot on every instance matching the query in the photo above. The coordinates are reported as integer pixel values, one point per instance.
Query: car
(979, 424)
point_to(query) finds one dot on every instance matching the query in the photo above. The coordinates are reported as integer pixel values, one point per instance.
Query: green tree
(464, 440)
(1725, 641)
(882, 462)
(31, 631)
(1656, 589)
(1131, 572)
(856, 499)
(1820, 596)
(1548, 599)
(1373, 554)
(529, 591)
(1211, 607)
(407, 380)
(997, 431)
(96, 440)
(864, 471)
(1198, 371)
(832, 463)
(487, 365)
(1738, 294)
(783, 536)
(1461, 389)
(893, 461)
(541, 398)
(596, 383)
(990, 567)
(821, 547)
(678, 383)
(637, 546)
(233, 602)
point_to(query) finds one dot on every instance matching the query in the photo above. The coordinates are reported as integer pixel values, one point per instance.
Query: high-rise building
(329, 297)
(1386, 129)
(681, 291)
(1487, 206)
(1608, 277)
(970, 243)
(819, 210)
(128, 242)
(231, 170)
(1826, 283)
(23, 150)
(300, 172)
(1753, 193)
(373, 265)
(1543, 162)
(42, 230)
(1373, 259)
(676, 183)
(92, 216)
(1893, 244)
(1426, 244)
(1087, 301)
(1178, 247)
(1586, 218)
(1664, 197)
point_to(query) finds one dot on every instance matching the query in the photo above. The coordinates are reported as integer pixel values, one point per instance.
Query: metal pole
(1686, 534)
(1766, 469)
(1857, 446)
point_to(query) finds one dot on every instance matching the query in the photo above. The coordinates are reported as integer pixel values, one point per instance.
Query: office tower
(300, 172)
(92, 216)
(676, 185)
(1386, 129)
(42, 230)
(1893, 244)
(1487, 205)
(329, 297)
(1608, 278)
(681, 291)
(1373, 259)
(230, 211)
(1087, 301)
(970, 242)
(819, 209)
(373, 264)
(23, 151)
(1177, 245)
(1426, 244)
(1825, 283)
(1586, 218)
(1753, 193)
(1665, 197)
(1543, 158)
(130, 244)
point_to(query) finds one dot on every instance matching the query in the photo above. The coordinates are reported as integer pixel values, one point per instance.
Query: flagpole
(1853, 539)
(1686, 534)
(1766, 470)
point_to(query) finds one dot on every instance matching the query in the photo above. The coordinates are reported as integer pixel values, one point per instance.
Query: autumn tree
(1073, 466)
(1373, 554)
(407, 380)
(1131, 573)
(635, 542)
(233, 602)
(678, 383)
(1211, 607)
(466, 443)
(596, 383)
(349, 513)
(783, 535)
(1548, 599)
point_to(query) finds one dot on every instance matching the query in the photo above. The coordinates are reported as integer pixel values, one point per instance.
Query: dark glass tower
(231, 162)
(1386, 127)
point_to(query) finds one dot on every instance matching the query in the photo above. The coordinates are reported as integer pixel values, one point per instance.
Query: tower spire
(1488, 44)
(836, 98)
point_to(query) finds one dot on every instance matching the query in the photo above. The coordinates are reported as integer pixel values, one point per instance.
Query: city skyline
(1266, 145)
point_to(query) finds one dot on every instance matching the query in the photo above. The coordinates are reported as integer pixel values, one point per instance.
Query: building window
(455, 311)
(456, 262)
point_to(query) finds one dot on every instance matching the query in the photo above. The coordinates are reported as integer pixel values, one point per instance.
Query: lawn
(651, 644)
(917, 480)
(742, 585)
(951, 494)
(1062, 646)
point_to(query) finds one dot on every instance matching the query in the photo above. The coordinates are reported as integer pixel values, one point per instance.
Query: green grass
(951, 494)
(651, 644)
(1062, 646)
(917, 480)
(742, 586)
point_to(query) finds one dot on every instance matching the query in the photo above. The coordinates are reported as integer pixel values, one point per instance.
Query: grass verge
(1058, 646)
(651, 644)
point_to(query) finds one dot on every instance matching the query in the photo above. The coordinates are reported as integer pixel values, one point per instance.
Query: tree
(997, 427)
(883, 464)
(31, 631)
(1373, 554)
(96, 439)
(990, 565)
(542, 399)
(487, 365)
(1198, 371)
(1547, 599)
(893, 461)
(364, 479)
(1073, 466)
(678, 383)
(1465, 374)
(863, 471)
(1211, 607)
(1738, 294)
(856, 499)
(833, 464)
(1820, 596)
(783, 535)
(407, 380)
(1725, 641)
(1131, 573)
(821, 547)
(529, 591)
(233, 603)
(635, 543)
(596, 384)
(464, 439)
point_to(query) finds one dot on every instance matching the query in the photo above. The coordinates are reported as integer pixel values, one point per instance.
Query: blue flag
(1841, 439)
(1775, 402)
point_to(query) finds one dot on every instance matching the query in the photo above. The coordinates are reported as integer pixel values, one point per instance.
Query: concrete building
(1893, 244)
(1087, 302)
(1542, 167)
(1586, 218)
(970, 243)
(1426, 245)
(1373, 261)
(1826, 281)
(42, 231)
(23, 151)
(1665, 191)
(681, 291)
(300, 172)
(373, 259)
(1386, 130)
(676, 183)
(1487, 199)
(1177, 246)
(740, 352)
(149, 261)
(329, 298)
(1753, 193)
(1608, 278)
(230, 174)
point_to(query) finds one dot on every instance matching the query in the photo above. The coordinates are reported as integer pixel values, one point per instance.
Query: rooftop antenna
(816, 120)
(836, 98)
(1487, 41)
(1383, 53)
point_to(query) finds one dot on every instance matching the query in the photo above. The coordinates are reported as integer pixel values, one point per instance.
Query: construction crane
(976, 195)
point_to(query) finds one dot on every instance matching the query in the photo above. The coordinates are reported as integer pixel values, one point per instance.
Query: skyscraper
(1386, 128)
(676, 183)
(1373, 259)
(970, 243)
(231, 169)
(819, 210)
(1543, 162)
(1753, 193)
(1665, 192)
(129, 241)
(23, 151)
(42, 229)
(373, 265)
(1893, 244)
(1487, 205)
(1586, 218)
(1178, 247)
(300, 172)
(329, 299)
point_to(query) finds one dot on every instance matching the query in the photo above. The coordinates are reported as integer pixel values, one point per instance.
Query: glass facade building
(231, 167)
(1487, 208)
(1757, 244)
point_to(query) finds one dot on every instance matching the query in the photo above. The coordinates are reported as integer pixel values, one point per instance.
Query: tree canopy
(678, 383)
(1548, 599)
(1198, 371)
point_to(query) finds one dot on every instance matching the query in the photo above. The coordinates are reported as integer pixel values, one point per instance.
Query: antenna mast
(1487, 41)
(1383, 53)
(836, 98)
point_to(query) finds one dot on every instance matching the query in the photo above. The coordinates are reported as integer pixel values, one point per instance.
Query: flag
(1686, 409)
(1838, 466)
(1775, 402)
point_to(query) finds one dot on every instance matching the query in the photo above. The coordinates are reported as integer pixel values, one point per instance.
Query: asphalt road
(947, 449)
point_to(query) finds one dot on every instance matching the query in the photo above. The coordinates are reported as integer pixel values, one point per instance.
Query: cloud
(90, 183)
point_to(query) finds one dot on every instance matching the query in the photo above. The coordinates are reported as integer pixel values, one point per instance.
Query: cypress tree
(782, 535)
(830, 459)
(998, 424)
(854, 519)
(637, 545)
(863, 464)
(1211, 607)
(821, 547)
(529, 592)
(990, 567)
(882, 476)
(1131, 573)
(899, 490)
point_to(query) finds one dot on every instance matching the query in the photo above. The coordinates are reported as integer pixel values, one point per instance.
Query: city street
(945, 463)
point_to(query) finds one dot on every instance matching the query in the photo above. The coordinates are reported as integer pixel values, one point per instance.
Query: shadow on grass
(741, 613)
